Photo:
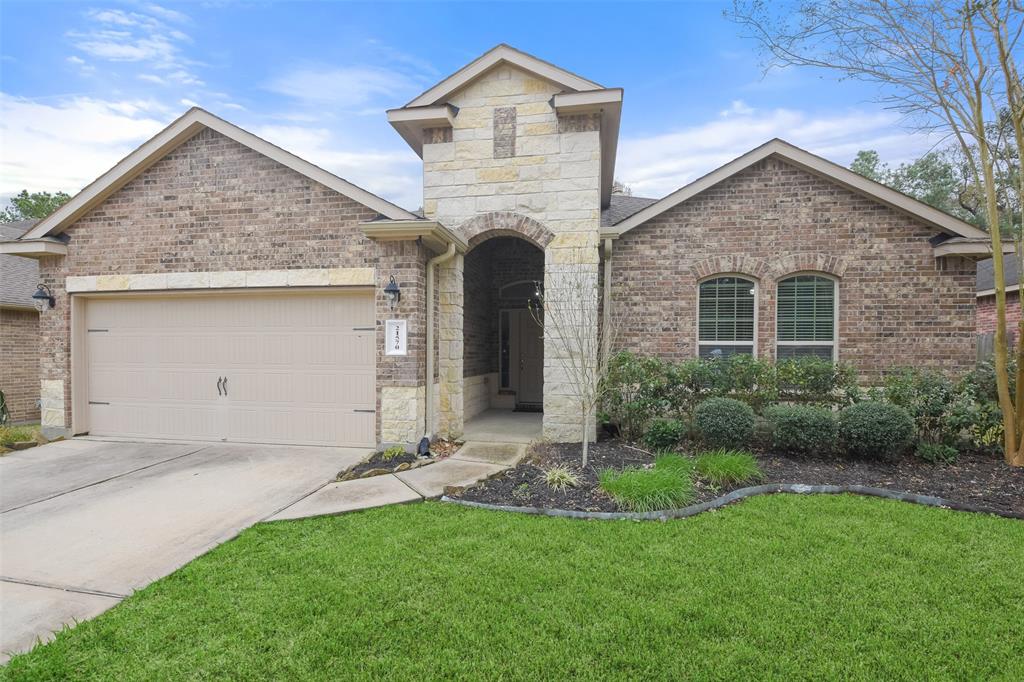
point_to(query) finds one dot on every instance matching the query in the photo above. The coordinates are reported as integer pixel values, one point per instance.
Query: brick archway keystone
(479, 229)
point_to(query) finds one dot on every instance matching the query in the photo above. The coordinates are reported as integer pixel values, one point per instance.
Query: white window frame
(757, 306)
(835, 314)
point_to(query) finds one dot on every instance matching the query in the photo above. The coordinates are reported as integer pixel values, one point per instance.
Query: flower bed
(982, 481)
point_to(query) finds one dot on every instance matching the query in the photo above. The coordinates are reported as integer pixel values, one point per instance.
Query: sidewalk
(472, 463)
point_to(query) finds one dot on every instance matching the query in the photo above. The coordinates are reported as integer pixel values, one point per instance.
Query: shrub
(392, 452)
(937, 453)
(816, 381)
(560, 478)
(875, 429)
(669, 484)
(663, 434)
(802, 429)
(985, 430)
(929, 398)
(634, 392)
(724, 422)
(722, 467)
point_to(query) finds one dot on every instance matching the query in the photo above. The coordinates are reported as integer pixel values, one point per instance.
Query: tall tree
(37, 205)
(950, 66)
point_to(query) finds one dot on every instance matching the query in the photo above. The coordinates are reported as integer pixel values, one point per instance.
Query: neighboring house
(214, 286)
(19, 329)
(986, 294)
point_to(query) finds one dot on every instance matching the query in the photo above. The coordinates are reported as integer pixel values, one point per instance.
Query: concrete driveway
(84, 523)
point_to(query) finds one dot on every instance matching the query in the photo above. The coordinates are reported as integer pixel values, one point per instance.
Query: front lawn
(778, 586)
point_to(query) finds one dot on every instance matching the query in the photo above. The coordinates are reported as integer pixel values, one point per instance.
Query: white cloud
(737, 108)
(68, 145)
(77, 61)
(350, 86)
(167, 14)
(188, 103)
(659, 164)
(394, 175)
(152, 78)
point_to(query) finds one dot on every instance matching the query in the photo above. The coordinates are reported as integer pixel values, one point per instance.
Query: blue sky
(83, 83)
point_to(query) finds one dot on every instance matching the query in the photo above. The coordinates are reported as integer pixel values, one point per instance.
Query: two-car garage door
(262, 368)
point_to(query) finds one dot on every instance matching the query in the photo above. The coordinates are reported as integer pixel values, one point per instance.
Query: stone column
(450, 347)
(570, 328)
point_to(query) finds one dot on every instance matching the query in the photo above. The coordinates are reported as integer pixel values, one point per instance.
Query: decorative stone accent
(401, 419)
(437, 135)
(503, 223)
(303, 277)
(450, 347)
(51, 392)
(580, 123)
(504, 132)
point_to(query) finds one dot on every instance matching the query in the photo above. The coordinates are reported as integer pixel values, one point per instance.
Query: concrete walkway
(472, 463)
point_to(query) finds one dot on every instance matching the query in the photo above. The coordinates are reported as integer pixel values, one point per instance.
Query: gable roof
(622, 206)
(18, 276)
(985, 284)
(813, 164)
(184, 128)
(503, 54)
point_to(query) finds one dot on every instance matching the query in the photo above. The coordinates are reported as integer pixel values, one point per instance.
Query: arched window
(806, 317)
(726, 314)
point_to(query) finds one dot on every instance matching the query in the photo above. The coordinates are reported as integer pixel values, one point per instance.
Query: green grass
(18, 434)
(669, 484)
(722, 467)
(780, 587)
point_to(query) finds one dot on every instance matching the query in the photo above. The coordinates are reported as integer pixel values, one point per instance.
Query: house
(19, 329)
(986, 296)
(214, 286)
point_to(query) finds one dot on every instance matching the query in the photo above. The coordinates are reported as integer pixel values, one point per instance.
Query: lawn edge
(740, 494)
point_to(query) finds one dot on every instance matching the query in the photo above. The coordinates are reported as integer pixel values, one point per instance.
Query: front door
(530, 364)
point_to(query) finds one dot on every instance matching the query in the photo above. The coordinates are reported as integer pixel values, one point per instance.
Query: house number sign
(395, 338)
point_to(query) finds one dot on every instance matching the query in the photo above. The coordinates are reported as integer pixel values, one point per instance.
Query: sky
(84, 83)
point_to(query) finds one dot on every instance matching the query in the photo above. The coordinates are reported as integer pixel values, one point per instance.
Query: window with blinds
(806, 317)
(725, 317)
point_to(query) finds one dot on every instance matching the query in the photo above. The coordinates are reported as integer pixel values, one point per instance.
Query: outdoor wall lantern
(43, 298)
(393, 293)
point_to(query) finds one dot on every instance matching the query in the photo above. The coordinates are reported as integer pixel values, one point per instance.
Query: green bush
(815, 381)
(802, 429)
(668, 485)
(930, 399)
(663, 434)
(560, 478)
(392, 452)
(634, 393)
(724, 422)
(724, 467)
(937, 453)
(875, 430)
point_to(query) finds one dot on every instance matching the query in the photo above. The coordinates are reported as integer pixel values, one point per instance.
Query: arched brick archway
(505, 224)
(808, 262)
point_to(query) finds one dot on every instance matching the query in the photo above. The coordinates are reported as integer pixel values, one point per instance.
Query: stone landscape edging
(742, 493)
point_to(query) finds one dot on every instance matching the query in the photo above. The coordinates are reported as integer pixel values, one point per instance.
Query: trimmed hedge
(664, 434)
(875, 430)
(802, 429)
(724, 423)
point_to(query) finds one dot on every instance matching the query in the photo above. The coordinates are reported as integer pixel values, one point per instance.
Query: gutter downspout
(428, 393)
(607, 301)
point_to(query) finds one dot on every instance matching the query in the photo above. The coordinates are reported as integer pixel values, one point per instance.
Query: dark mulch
(377, 465)
(984, 481)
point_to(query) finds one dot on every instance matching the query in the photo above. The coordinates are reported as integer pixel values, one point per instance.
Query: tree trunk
(586, 439)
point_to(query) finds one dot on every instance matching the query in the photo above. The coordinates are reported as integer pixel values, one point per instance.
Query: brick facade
(898, 304)
(986, 315)
(215, 205)
(19, 370)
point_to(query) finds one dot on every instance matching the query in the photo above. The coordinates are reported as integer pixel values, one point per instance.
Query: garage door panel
(297, 371)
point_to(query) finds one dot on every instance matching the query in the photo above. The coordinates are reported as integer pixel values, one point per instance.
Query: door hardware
(219, 379)
(225, 385)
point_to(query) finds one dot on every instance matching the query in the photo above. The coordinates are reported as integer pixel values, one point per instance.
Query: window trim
(757, 313)
(835, 313)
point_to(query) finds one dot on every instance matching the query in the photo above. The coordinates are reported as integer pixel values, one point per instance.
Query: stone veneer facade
(19, 368)
(514, 167)
(898, 304)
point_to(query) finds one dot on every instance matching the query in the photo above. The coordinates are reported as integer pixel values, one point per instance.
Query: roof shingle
(18, 276)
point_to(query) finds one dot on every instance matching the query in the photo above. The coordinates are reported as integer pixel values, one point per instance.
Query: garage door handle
(219, 379)
(225, 385)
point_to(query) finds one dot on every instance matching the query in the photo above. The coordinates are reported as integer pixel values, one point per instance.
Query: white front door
(261, 368)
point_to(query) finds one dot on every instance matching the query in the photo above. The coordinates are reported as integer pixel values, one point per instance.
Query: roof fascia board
(15, 306)
(992, 292)
(34, 248)
(410, 123)
(175, 134)
(590, 100)
(970, 248)
(498, 55)
(818, 166)
(435, 236)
